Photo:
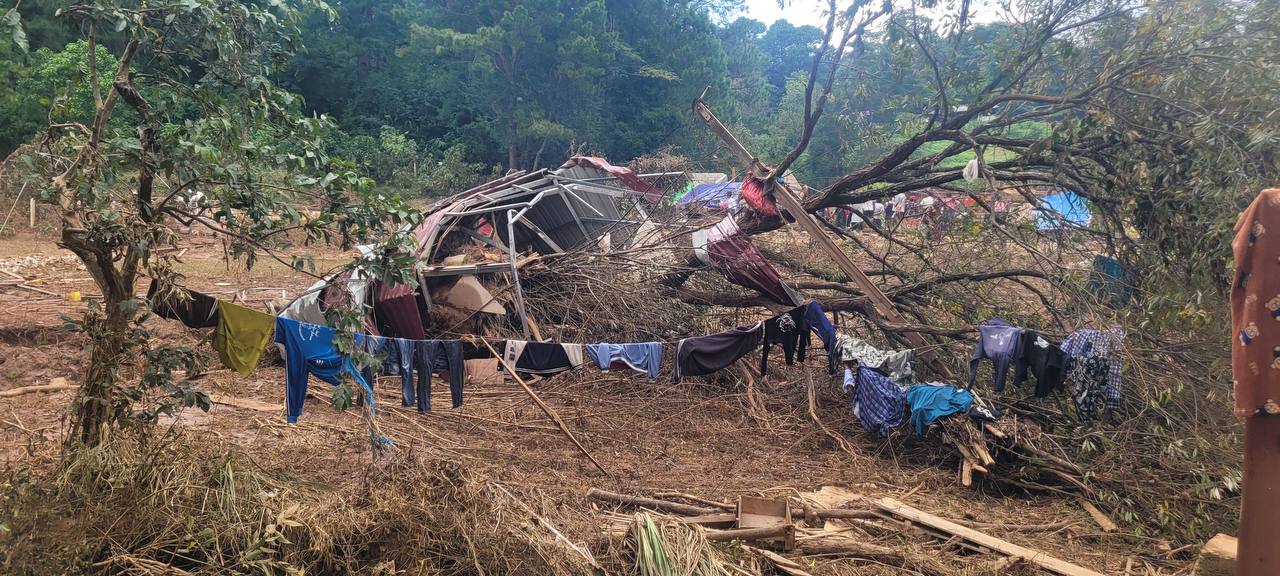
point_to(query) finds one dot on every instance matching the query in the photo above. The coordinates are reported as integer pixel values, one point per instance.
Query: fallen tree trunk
(653, 503)
(33, 389)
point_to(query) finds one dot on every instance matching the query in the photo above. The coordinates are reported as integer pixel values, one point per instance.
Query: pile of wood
(840, 532)
(1004, 451)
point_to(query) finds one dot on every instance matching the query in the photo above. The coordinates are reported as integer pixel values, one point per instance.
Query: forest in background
(432, 97)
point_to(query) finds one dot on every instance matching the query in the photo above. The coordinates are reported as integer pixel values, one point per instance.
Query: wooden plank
(719, 520)
(1005, 547)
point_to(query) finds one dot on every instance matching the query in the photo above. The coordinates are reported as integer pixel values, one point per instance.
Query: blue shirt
(643, 357)
(929, 402)
(309, 349)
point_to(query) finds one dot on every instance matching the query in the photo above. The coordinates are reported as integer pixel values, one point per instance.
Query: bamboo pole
(546, 409)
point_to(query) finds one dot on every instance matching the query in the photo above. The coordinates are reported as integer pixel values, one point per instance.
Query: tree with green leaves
(189, 111)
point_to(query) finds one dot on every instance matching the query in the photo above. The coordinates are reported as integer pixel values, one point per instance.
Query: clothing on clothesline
(438, 356)
(405, 358)
(1002, 343)
(241, 336)
(896, 364)
(198, 311)
(702, 355)
(643, 357)
(1094, 370)
(1044, 360)
(818, 322)
(878, 403)
(542, 358)
(309, 350)
(791, 330)
(930, 402)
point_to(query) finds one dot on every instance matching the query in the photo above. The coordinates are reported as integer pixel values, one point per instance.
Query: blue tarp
(723, 195)
(1063, 211)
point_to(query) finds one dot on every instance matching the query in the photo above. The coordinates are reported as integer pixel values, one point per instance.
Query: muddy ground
(695, 437)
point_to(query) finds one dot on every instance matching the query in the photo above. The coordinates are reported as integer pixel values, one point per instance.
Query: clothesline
(241, 334)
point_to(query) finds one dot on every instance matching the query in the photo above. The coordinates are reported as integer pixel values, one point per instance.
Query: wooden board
(1218, 558)
(1005, 547)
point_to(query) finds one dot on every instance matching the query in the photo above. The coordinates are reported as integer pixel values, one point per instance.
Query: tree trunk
(108, 344)
(513, 153)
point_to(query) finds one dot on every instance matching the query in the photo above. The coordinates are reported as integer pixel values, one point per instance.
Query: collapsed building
(471, 246)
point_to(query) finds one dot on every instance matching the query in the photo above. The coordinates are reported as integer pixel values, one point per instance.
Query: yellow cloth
(241, 336)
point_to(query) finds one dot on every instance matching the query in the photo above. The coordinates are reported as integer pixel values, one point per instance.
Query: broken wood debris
(54, 385)
(1061, 567)
(827, 542)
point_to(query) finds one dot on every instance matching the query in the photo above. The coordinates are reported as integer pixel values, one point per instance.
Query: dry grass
(120, 509)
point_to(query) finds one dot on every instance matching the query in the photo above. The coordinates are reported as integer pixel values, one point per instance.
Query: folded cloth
(645, 357)
(543, 358)
(878, 403)
(896, 364)
(241, 336)
(198, 311)
(702, 355)
(930, 402)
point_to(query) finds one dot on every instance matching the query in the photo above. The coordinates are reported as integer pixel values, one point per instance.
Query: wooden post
(881, 306)
(32, 220)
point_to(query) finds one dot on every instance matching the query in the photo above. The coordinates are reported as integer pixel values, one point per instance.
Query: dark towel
(1045, 360)
(702, 355)
(198, 311)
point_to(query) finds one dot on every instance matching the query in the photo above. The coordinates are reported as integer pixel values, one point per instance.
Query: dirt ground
(695, 437)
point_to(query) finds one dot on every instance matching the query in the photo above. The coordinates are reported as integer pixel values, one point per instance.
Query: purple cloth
(1002, 343)
(742, 263)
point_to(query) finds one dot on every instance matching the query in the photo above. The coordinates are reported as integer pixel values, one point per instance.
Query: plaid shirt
(1106, 346)
(878, 403)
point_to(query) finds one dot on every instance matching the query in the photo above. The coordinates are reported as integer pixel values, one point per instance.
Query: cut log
(692, 498)
(844, 514)
(966, 472)
(53, 386)
(1218, 557)
(1037, 557)
(1103, 521)
(651, 503)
